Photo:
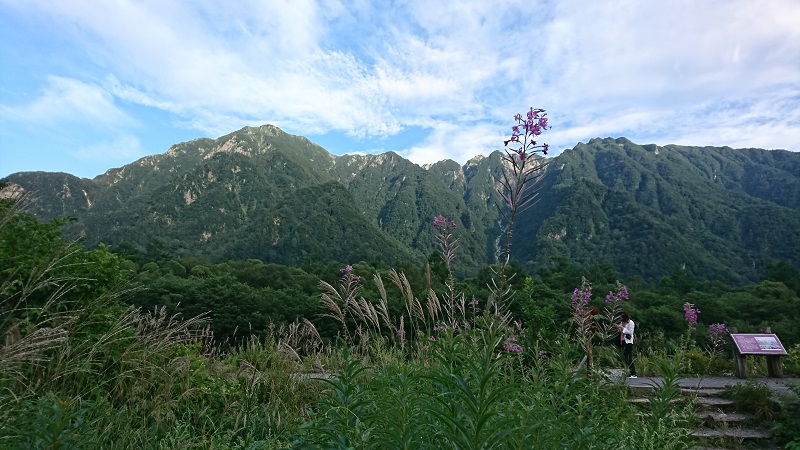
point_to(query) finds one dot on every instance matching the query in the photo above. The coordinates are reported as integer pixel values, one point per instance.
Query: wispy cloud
(67, 100)
(456, 142)
(664, 72)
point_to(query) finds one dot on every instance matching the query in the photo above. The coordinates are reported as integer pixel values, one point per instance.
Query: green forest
(110, 347)
(248, 298)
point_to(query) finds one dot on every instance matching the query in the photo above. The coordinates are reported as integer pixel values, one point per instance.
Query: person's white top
(627, 330)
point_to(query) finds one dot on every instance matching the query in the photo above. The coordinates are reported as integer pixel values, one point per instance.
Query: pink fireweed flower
(542, 354)
(690, 313)
(620, 296)
(348, 277)
(524, 167)
(717, 332)
(473, 302)
(447, 243)
(581, 297)
(441, 221)
(510, 345)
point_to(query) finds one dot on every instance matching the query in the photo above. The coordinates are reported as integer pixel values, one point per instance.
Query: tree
(783, 272)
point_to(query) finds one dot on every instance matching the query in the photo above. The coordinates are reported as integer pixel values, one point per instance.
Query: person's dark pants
(627, 352)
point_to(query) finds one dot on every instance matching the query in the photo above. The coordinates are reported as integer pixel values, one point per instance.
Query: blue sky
(86, 86)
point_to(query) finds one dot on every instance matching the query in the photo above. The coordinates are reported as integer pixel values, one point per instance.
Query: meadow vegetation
(104, 350)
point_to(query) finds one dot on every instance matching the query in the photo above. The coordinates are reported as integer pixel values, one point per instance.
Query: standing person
(626, 335)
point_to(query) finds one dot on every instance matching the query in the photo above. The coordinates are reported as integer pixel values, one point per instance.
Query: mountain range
(646, 210)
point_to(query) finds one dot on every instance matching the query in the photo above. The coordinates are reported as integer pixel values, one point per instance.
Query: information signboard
(758, 344)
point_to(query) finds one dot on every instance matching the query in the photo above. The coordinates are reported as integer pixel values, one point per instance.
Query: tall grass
(79, 369)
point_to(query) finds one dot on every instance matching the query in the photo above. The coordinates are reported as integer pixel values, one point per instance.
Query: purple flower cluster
(533, 124)
(445, 238)
(581, 298)
(510, 345)
(619, 297)
(441, 221)
(473, 302)
(690, 313)
(348, 276)
(439, 328)
(717, 332)
(524, 167)
(542, 354)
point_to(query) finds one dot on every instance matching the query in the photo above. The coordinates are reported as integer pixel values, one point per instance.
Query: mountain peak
(267, 129)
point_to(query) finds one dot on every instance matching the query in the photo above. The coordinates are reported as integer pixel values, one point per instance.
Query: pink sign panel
(758, 344)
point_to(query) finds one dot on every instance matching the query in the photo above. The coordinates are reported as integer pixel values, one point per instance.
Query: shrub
(754, 397)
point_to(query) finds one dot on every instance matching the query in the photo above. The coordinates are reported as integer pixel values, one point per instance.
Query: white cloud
(768, 121)
(455, 141)
(669, 71)
(654, 51)
(67, 100)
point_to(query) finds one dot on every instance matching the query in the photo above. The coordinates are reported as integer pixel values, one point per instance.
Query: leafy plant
(755, 397)
(787, 423)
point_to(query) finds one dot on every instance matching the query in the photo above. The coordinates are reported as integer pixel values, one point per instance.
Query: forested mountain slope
(262, 193)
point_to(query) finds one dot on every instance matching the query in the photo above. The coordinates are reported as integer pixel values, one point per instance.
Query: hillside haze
(262, 193)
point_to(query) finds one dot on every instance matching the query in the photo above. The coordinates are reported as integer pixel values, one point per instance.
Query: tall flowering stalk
(521, 172)
(350, 282)
(612, 311)
(523, 167)
(446, 240)
(717, 337)
(448, 244)
(582, 315)
(717, 334)
(690, 313)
